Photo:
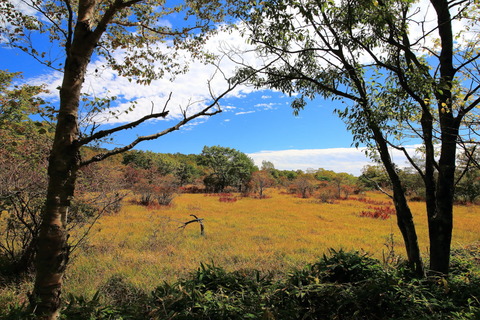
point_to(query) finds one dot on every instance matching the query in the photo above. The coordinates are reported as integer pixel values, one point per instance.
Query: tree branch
(70, 26)
(197, 219)
(131, 125)
(410, 159)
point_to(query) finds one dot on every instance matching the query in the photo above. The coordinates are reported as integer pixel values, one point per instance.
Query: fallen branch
(197, 219)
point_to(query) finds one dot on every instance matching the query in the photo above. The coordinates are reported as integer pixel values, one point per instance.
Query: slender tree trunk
(440, 213)
(52, 248)
(441, 219)
(404, 215)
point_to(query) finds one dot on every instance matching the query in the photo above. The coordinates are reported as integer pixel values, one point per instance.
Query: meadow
(146, 245)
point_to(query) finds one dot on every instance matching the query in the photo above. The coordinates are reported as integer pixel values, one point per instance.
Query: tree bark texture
(52, 247)
(440, 209)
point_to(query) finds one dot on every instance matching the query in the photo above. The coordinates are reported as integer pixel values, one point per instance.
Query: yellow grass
(279, 233)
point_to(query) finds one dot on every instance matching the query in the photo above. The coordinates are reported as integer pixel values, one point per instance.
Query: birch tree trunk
(52, 248)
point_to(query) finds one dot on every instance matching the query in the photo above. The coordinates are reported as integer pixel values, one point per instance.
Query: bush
(326, 194)
(213, 293)
(341, 285)
(378, 213)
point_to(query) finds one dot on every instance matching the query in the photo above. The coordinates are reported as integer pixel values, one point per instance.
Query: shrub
(341, 285)
(340, 267)
(213, 293)
(326, 194)
(378, 213)
(165, 198)
(116, 299)
(223, 197)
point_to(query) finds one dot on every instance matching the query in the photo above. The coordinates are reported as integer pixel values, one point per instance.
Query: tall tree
(126, 33)
(401, 83)
(229, 167)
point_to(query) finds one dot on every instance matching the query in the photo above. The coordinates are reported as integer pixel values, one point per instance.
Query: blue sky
(259, 123)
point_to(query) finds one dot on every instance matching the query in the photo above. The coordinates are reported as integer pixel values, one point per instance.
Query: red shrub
(378, 213)
(227, 199)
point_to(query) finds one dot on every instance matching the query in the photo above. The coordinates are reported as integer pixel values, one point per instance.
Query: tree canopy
(229, 167)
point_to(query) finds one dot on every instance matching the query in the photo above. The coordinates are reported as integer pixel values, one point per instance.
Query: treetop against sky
(256, 121)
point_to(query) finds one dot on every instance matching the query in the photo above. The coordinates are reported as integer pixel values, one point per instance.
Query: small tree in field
(228, 168)
(303, 185)
(261, 180)
(167, 190)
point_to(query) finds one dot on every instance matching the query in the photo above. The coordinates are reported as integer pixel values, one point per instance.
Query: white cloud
(350, 160)
(266, 106)
(244, 112)
(188, 90)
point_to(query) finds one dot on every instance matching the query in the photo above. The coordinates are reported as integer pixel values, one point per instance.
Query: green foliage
(23, 173)
(79, 308)
(139, 42)
(122, 294)
(183, 167)
(17, 105)
(213, 293)
(163, 163)
(187, 173)
(341, 285)
(350, 285)
(338, 267)
(17, 102)
(228, 167)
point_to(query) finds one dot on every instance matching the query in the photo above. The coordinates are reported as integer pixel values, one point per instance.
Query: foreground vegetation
(341, 285)
(137, 263)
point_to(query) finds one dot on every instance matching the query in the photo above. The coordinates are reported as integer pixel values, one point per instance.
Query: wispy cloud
(244, 112)
(266, 106)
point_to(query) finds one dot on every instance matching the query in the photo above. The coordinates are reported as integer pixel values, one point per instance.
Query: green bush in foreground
(342, 285)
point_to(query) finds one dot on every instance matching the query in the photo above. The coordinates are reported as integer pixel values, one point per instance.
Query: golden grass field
(277, 234)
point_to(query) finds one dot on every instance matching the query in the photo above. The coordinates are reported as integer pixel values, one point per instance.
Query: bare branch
(104, 133)
(379, 188)
(70, 26)
(162, 31)
(410, 159)
(197, 219)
